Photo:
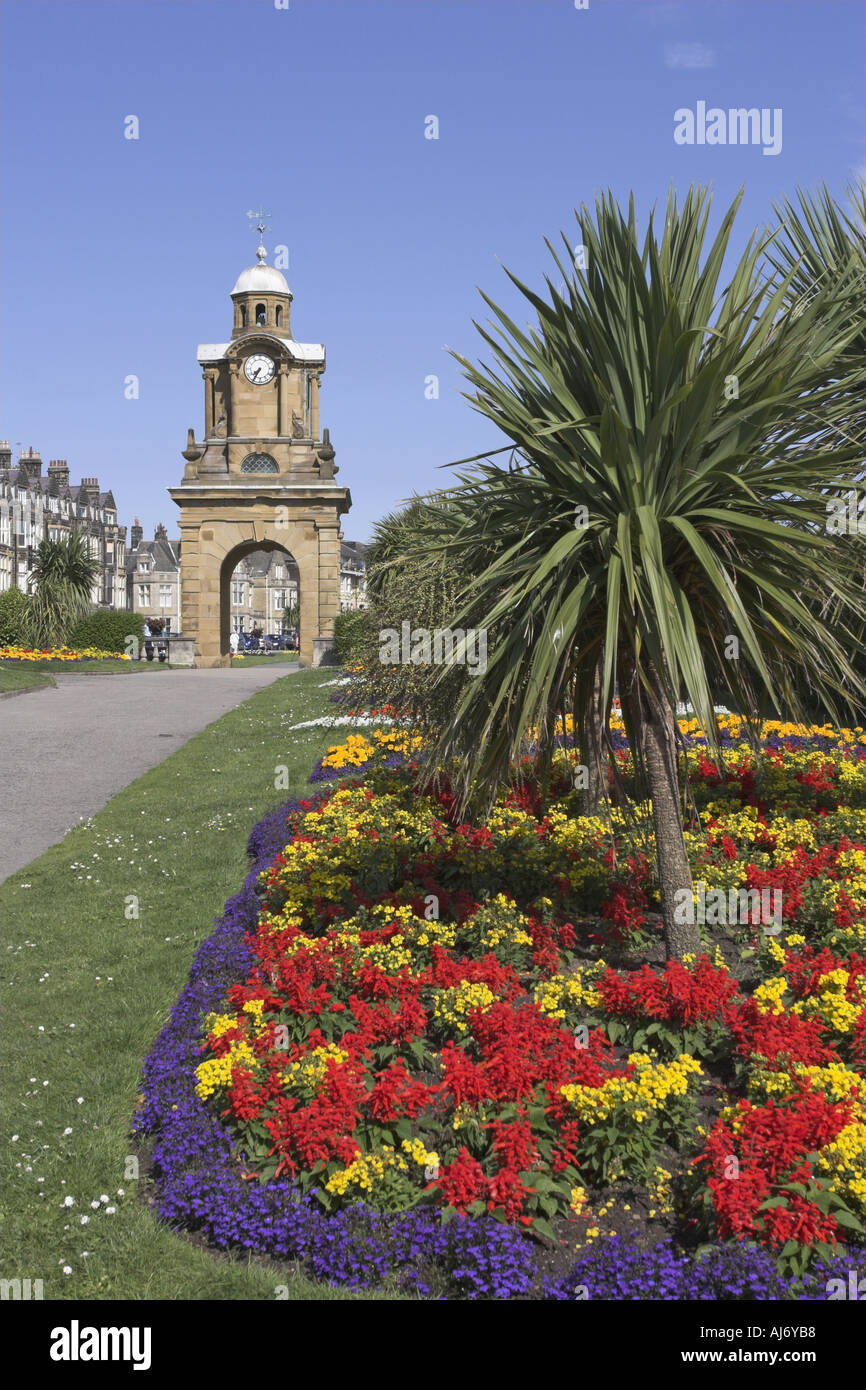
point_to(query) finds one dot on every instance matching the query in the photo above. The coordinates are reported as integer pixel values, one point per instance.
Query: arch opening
(260, 595)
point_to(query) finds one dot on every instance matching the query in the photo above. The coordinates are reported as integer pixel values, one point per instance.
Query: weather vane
(260, 226)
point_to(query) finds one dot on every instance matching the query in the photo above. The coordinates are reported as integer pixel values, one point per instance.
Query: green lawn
(107, 666)
(15, 680)
(86, 991)
(256, 659)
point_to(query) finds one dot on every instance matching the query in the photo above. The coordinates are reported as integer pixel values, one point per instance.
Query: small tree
(13, 611)
(664, 522)
(61, 584)
(409, 582)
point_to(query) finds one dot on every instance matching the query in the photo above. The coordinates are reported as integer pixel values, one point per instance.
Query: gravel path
(65, 752)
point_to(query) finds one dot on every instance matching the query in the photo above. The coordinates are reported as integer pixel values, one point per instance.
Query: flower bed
(412, 1043)
(29, 654)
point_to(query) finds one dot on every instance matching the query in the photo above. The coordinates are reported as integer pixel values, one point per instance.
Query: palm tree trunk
(595, 758)
(657, 716)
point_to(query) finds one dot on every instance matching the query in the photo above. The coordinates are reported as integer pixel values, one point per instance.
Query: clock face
(259, 369)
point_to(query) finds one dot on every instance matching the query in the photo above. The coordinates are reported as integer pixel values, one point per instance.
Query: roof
(303, 352)
(354, 550)
(265, 279)
(262, 562)
(165, 554)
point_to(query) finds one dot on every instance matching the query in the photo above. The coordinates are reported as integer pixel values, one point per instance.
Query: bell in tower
(261, 297)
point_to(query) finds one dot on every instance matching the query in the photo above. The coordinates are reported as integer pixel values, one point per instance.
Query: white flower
(120, 1192)
(67, 1269)
(68, 1130)
(15, 1138)
(104, 1197)
(84, 1220)
(80, 1100)
(68, 1202)
(94, 1206)
(109, 1211)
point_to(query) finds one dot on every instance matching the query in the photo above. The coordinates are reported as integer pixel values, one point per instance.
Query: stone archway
(217, 532)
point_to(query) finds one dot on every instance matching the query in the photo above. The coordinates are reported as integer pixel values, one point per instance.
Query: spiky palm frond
(680, 416)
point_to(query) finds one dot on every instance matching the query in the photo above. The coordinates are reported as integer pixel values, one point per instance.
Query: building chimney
(160, 534)
(31, 463)
(5, 454)
(136, 531)
(59, 469)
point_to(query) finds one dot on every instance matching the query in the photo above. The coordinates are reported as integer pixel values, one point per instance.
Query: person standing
(233, 642)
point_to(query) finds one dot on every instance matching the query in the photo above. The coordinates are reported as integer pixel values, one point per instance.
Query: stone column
(234, 368)
(329, 587)
(314, 412)
(209, 375)
(284, 414)
(306, 555)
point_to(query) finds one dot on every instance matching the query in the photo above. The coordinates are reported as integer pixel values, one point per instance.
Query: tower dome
(261, 277)
(262, 299)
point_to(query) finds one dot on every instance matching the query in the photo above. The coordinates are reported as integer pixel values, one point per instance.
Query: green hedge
(13, 605)
(107, 629)
(351, 633)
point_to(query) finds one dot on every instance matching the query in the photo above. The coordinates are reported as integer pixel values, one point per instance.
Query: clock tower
(262, 476)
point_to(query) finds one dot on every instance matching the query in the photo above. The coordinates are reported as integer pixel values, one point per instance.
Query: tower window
(278, 315)
(243, 316)
(259, 463)
(261, 314)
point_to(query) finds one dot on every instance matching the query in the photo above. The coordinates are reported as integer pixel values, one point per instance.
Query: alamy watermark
(738, 125)
(846, 516)
(444, 646)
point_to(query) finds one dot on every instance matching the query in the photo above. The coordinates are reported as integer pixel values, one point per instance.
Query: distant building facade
(353, 576)
(153, 575)
(265, 593)
(35, 506)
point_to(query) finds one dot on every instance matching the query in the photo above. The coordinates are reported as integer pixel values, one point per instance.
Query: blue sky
(120, 255)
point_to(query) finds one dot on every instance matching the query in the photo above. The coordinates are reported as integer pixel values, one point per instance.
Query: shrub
(13, 607)
(351, 632)
(108, 629)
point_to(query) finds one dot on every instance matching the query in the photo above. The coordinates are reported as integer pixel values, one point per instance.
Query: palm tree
(817, 244)
(61, 583)
(663, 510)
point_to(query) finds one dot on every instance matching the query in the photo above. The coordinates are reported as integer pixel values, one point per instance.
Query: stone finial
(192, 451)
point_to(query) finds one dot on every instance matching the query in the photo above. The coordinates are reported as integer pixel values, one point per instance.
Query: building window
(259, 463)
(280, 599)
(144, 564)
(165, 600)
(278, 316)
(261, 313)
(238, 588)
(144, 595)
(243, 316)
(278, 571)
